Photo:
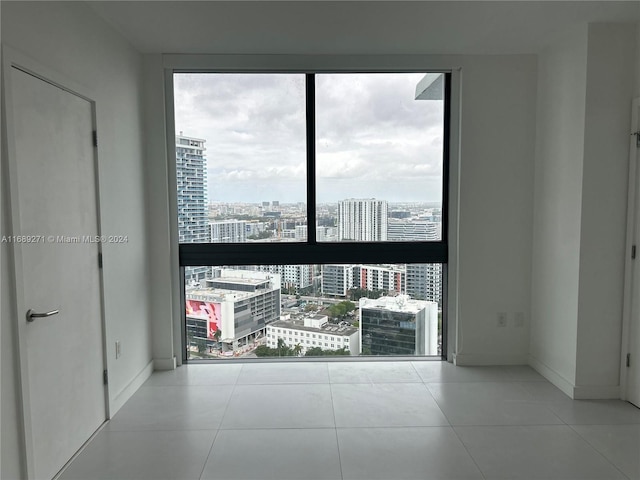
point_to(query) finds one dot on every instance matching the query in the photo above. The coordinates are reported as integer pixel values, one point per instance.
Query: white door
(633, 360)
(54, 217)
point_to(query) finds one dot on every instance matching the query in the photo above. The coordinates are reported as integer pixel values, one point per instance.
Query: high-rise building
(424, 281)
(412, 230)
(237, 303)
(301, 233)
(337, 279)
(398, 326)
(388, 278)
(191, 176)
(362, 220)
(292, 276)
(191, 173)
(228, 231)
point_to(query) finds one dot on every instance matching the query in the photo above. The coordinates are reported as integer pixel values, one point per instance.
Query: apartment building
(398, 326)
(313, 332)
(362, 220)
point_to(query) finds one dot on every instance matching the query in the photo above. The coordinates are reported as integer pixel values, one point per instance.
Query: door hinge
(628, 359)
(633, 251)
(105, 377)
(95, 138)
(99, 260)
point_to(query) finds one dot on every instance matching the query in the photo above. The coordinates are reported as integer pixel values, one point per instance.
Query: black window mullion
(444, 216)
(310, 87)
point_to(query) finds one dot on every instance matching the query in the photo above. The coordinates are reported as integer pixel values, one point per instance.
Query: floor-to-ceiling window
(312, 213)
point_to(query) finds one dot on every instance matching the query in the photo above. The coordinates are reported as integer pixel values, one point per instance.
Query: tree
(356, 294)
(283, 350)
(314, 352)
(260, 235)
(297, 350)
(264, 351)
(339, 310)
(202, 345)
(217, 335)
(319, 352)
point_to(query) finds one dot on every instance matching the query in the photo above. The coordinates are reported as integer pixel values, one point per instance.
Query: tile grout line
(545, 405)
(454, 431)
(418, 373)
(597, 450)
(335, 425)
(468, 452)
(215, 437)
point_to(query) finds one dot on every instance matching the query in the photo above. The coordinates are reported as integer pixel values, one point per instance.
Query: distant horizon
(259, 203)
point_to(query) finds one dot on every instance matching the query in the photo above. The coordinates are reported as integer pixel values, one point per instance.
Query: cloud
(372, 136)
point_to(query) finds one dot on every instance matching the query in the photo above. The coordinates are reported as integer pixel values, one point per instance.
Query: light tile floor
(376, 420)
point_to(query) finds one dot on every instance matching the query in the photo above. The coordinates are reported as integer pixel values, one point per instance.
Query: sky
(373, 139)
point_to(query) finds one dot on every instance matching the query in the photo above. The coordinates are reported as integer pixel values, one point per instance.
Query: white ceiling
(354, 27)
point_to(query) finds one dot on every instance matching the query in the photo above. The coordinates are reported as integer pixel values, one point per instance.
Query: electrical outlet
(518, 320)
(118, 349)
(502, 319)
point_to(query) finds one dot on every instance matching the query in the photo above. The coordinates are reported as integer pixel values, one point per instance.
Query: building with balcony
(387, 278)
(337, 280)
(362, 220)
(292, 276)
(228, 231)
(408, 230)
(191, 177)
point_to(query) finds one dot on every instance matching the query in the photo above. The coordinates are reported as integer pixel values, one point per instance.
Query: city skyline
(372, 136)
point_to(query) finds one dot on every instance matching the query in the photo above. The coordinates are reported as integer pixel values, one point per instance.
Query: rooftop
(400, 303)
(328, 328)
(221, 294)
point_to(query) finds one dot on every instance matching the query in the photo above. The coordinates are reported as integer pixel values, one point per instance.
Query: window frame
(311, 251)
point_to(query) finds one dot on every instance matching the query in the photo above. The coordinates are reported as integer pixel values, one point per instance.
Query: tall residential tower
(191, 176)
(362, 220)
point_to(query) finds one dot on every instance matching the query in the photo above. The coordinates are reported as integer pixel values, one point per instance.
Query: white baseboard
(576, 392)
(554, 377)
(608, 392)
(127, 392)
(482, 359)
(164, 363)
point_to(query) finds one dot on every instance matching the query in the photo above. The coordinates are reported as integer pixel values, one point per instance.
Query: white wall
(557, 205)
(496, 205)
(164, 289)
(610, 76)
(496, 201)
(67, 37)
(585, 86)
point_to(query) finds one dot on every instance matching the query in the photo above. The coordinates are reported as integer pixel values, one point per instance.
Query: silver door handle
(31, 315)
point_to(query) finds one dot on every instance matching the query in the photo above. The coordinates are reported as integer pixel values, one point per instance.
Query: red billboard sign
(211, 312)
